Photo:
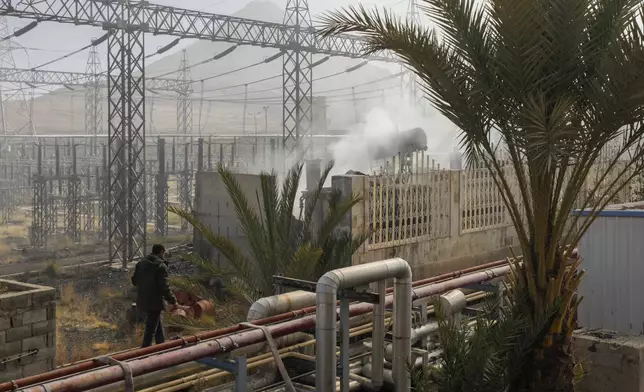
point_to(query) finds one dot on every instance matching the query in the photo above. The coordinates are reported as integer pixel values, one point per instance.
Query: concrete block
(34, 316)
(51, 339)
(51, 311)
(10, 348)
(16, 320)
(43, 327)
(37, 368)
(11, 375)
(34, 343)
(616, 361)
(18, 333)
(43, 296)
(5, 322)
(13, 301)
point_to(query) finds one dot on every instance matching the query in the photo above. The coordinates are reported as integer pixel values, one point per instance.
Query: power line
(216, 56)
(314, 79)
(95, 42)
(21, 31)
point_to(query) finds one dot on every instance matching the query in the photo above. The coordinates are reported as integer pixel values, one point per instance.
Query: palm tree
(278, 243)
(555, 81)
(484, 354)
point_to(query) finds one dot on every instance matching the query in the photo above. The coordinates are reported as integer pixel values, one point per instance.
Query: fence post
(455, 203)
(355, 222)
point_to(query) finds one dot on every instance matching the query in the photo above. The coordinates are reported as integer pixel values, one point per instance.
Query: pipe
(325, 331)
(416, 335)
(367, 370)
(378, 336)
(111, 374)
(178, 343)
(191, 380)
(277, 304)
(288, 340)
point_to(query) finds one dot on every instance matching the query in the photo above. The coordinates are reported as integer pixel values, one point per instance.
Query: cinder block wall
(27, 329)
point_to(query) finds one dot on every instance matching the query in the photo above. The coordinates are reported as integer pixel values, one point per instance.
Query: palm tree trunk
(552, 369)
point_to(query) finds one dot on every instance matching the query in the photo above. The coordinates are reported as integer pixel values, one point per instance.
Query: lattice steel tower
(412, 11)
(184, 98)
(126, 129)
(15, 104)
(93, 98)
(298, 78)
(413, 16)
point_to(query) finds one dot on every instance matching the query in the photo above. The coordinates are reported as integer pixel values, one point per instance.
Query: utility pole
(245, 107)
(255, 119)
(266, 119)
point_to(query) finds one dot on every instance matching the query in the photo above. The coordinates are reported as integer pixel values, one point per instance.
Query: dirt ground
(92, 310)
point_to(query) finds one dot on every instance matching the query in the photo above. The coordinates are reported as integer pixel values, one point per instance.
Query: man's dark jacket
(151, 280)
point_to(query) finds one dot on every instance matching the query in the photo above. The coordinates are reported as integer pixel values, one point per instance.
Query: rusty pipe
(178, 343)
(111, 374)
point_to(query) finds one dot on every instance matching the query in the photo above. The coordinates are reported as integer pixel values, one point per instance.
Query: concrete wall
(27, 330)
(214, 209)
(614, 362)
(449, 249)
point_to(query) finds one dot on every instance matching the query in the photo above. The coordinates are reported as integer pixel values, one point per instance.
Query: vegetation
(555, 81)
(277, 243)
(482, 355)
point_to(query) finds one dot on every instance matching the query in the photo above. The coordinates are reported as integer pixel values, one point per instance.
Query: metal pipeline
(111, 374)
(378, 335)
(278, 304)
(325, 330)
(191, 380)
(89, 364)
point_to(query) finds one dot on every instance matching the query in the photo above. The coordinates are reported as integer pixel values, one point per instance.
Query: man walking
(151, 281)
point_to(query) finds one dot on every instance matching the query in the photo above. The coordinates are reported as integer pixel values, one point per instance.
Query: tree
(555, 81)
(278, 243)
(484, 354)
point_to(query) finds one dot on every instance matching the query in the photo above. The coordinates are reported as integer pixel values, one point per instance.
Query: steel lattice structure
(297, 77)
(127, 22)
(126, 114)
(185, 23)
(93, 98)
(62, 78)
(16, 91)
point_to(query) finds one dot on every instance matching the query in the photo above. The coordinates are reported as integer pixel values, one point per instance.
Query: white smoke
(381, 125)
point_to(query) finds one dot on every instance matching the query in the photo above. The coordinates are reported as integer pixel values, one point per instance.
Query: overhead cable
(217, 56)
(389, 77)
(23, 30)
(165, 48)
(95, 42)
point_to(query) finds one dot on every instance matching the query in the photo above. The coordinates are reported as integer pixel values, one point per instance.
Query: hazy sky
(50, 40)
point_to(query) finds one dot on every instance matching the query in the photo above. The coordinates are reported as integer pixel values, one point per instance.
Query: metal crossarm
(127, 22)
(184, 23)
(62, 78)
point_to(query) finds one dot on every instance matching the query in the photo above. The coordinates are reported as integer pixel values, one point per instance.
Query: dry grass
(72, 347)
(74, 311)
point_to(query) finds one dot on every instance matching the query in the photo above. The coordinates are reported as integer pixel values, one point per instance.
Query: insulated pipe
(325, 331)
(178, 343)
(416, 334)
(378, 335)
(110, 374)
(278, 304)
